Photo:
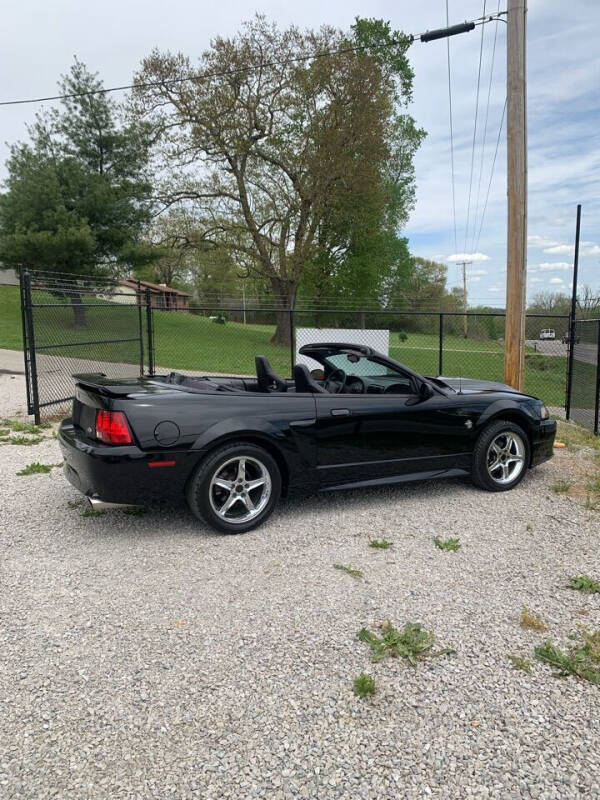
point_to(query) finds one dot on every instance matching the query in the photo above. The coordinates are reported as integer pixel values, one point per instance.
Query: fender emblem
(469, 424)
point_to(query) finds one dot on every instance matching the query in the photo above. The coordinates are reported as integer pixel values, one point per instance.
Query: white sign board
(378, 340)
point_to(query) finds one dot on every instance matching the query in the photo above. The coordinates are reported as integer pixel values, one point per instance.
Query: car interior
(374, 378)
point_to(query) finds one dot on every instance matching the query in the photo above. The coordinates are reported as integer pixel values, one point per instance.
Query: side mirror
(425, 391)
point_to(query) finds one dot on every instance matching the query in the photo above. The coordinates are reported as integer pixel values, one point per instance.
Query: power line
(424, 37)
(487, 111)
(474, 131)
(451, 133)
(487, 196)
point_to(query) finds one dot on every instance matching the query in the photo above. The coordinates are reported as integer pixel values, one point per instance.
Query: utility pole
(464, 265)
(516, 142)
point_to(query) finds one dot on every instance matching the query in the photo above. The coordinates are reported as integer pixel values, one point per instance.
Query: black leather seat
(305, 382)
(268, 379)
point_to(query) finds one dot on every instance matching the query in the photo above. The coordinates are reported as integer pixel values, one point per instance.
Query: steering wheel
(336, 381)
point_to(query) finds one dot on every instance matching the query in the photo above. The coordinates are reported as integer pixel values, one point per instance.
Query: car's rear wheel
(500, 457)
(235, 488)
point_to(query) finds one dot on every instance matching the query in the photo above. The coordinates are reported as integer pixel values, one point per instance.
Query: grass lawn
(186, 341)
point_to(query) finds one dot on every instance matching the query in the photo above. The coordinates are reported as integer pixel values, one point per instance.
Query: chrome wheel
(240, 489)
(506, 457)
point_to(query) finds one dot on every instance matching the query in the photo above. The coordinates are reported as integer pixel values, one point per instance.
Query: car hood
(475, 386)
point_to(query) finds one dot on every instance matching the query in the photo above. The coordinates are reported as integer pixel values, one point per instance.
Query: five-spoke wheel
(501, 456)
(235, 488)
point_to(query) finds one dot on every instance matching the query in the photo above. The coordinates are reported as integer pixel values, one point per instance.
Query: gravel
(148, 657)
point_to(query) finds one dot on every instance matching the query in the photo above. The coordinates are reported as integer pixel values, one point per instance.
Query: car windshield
(355, 364)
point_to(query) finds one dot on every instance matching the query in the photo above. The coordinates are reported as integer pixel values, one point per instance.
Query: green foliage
(364, 685)
(380, 544)
(20, 426)
(74, 503)
(581, 660)
(560, 487)
(585, 584)
(412, 643)
(23, 441)
(91, 512)
(77, 194)
(36, 468)
(452, 544)
(402, 337)
(355, 573)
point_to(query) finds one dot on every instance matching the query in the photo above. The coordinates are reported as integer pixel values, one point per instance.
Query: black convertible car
(233, 446)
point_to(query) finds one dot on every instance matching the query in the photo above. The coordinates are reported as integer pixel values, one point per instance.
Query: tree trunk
(285, 294)
(78, 311)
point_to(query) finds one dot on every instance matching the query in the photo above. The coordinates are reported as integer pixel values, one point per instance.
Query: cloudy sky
(39, 39)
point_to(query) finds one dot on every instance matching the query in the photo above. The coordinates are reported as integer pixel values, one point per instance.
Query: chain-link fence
(76, 325)
(583, 404)
(84, 325)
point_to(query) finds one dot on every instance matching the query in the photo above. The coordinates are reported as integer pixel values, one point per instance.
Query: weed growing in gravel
(412, 642)
(74, 503)
(531, 622)
(356, 573)
(21, 440)
(560, 487)
(380, 544)
(24, 427)
(585, 584)
(91, 512)
(364, 685)
(520, 663)
(451, 544)
(134, 511)
(36, 468)
(591, 504)
(582, 659)
(529, 527)
(4, 432)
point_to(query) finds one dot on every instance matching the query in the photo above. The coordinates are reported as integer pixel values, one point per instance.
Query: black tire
(481, 453)
(204, 497)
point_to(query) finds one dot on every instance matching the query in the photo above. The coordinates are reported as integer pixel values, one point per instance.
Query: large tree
(78, 194)
(285, 157)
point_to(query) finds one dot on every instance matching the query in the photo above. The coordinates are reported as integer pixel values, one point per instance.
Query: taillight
(112, 427)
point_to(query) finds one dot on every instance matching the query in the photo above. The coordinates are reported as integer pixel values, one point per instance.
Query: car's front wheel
(500, 457)
(235, 488)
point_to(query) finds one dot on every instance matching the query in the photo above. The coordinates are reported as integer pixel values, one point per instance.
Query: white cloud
(591, 250)
(472, 272)
(552, 266)
(494, 289)
(535, 280)
(556, 281)
(559, 248)
(540, 241)
(468, 257)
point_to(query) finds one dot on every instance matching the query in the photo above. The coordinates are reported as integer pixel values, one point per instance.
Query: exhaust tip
(96, 504)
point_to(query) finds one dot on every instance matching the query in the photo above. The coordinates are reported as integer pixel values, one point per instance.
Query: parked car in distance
(548, 333)
(232, 446)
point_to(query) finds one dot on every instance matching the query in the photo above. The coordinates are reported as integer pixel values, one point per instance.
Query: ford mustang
(232, 446)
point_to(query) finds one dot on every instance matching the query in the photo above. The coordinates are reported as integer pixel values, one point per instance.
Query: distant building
(162, 297)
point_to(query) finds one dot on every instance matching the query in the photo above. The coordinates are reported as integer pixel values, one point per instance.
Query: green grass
(412, 643)
(531, 622)
(380, 544)
(451, 544)
(585, 584)
(37, 469)
(560, 487)
(90, 512)
(355, 573)
(21, 440)
(192, 342)
(19, 426)
(581, 660)
(135, 511)
(364, 685)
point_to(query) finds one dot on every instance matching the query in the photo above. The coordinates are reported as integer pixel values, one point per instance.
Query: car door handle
(339, 412)
(302, 423)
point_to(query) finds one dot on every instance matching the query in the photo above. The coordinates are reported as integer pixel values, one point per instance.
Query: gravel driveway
(146, 657)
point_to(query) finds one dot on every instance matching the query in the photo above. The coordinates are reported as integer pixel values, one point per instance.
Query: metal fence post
(292, 342)
(597, 409)
(150, 332)
(570, 357)
(31, 377)
(138, 297)
(441, 349)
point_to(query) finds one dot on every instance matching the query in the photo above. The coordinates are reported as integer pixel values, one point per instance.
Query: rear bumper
(542, 444)
(123, 474)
